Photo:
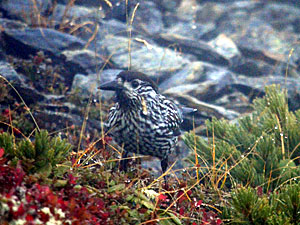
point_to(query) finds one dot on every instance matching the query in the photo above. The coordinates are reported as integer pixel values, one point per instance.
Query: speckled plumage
(142, 120)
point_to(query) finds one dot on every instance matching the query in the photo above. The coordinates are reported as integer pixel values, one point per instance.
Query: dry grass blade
(69, 5)
(167, 209)
(129, 30)
(108, 3)
(195, 151)
(36, 12)
(92, 37)
(27, 108)
(281, 137)
(161, 176)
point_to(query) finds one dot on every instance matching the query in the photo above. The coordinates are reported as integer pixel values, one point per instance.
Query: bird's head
(130, 87)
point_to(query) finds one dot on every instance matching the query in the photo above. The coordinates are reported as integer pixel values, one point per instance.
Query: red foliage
(1, 152)
(10, 178)
(77, 205)
(187, 206)
(33, 201)
(162, 197)
(6, 113)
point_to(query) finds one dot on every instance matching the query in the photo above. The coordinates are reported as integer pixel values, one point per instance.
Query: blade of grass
(129, 30)
(27, 108)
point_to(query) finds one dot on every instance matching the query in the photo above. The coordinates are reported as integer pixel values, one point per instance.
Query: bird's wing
(112, 117)
(171, 115)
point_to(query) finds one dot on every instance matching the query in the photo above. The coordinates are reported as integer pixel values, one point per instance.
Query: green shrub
(39, 156)
(260, 149)
(247, 206)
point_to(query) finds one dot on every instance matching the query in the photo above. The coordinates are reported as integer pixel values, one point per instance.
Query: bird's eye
(135, 84)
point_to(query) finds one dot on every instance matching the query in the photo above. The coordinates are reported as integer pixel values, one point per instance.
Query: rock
(145, 57)
(187, 9)
(196, 72)
(192, 30)
(205, 110)
(216, 56)
(118, 9)
(259, 39)
(225, 47)
(292, 85)
(31, 40)
(11, 24)
(53, 120)
(210, 12)
(20, 83)
(87, 85)
(235, 101)
(257, 68)
(280, 16)
(9, 73)
(262, 39)
(148, 18)
(105, 28)
(27, 11)
(168, 5)
(202, 50)
(63, 14)
(86, 59)
(29, 94)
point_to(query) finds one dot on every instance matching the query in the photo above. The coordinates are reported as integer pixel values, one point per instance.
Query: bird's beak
(110, 86)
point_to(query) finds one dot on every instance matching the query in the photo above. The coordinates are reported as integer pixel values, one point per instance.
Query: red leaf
(16, 131)
(20, 211)
(5, 113)
(29, 218)
(162, 197)
(259, 191)
(105, 215)
(219, 221)
(72, 179)
(43, 216)
(107, 139)
(1, 152)
(199, 203)
(37, 60)
(52, 199)
(181, 211)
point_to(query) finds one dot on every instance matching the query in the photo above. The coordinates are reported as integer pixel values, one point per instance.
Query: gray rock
(7, 71)
(148, 18)
(226, 47)
(189, 29)
(88, 84)
(196, 72)
(30, 40)
(85, 85)
(256, 68)
(258, 39)
(280, 16)
(170, 5)
(204, 109)
(75, 14)
(86, 59)
(26, 10)
(187, 10)
(28, 93)
(201, 49)
(11, 24)
(145, 57)
(291, 84)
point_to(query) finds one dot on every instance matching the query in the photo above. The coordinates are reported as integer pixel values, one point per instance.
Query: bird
(142, 120)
